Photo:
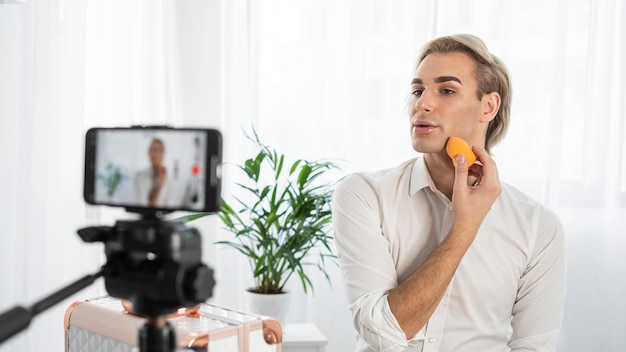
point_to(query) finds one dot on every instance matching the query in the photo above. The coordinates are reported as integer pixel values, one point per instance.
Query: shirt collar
(420, 178)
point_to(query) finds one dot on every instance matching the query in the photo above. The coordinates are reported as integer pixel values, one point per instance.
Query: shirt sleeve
(367, 266)
(538, 312)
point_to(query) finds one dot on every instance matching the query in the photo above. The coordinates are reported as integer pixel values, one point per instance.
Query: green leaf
(279, 168)
(304, 175)
(294, 167)
(192, 217)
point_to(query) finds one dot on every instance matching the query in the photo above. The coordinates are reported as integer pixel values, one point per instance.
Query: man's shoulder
(523, 200)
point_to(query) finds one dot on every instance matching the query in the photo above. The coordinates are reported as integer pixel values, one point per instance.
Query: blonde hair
(491, 76)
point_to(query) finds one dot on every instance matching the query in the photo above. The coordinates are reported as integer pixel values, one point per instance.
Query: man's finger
(489, 169)
(461, 171)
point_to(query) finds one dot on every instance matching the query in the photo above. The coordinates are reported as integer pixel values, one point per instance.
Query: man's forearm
(414, 301)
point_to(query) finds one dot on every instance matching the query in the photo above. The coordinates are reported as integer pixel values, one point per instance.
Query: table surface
(303, 334)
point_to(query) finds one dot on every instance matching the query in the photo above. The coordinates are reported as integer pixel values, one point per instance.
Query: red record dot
(195, 170)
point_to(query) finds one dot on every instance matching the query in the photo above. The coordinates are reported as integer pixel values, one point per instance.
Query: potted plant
(112, 178)
(281, 223)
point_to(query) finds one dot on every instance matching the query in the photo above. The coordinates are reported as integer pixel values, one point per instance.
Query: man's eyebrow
(437, 80)
(447, 79)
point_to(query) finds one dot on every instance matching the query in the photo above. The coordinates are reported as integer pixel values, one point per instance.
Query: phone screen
(153, 168)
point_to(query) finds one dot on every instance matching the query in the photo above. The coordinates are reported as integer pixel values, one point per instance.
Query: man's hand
(160, 177)
(472, 202)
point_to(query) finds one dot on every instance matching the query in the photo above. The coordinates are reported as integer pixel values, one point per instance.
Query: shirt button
(432, 340)
(451, 207)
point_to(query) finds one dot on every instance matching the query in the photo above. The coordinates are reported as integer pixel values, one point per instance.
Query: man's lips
(423, 127)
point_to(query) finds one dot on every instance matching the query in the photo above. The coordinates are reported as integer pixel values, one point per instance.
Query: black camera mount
(154, 264)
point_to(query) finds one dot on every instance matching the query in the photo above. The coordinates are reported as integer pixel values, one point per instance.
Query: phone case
(104, 324)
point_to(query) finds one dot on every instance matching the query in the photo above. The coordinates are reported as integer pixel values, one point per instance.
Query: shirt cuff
(378, 326)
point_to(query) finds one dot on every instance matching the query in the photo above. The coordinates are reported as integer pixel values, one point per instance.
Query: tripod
(154, 264)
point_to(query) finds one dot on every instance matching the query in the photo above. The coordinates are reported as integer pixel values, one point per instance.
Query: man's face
(156, 153)
(444, 103)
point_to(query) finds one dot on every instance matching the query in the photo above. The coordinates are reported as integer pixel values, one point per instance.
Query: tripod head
(154, 264)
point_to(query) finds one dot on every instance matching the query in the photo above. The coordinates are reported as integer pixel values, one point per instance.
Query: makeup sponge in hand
(456, 146)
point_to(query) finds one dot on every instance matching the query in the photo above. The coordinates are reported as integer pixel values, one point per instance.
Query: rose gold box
(104, 324)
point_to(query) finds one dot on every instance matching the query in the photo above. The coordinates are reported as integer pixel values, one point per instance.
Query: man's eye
(447, 91)
(417, 92)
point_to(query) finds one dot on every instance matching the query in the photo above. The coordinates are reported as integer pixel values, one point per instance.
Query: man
(438, 257)
(151, 184)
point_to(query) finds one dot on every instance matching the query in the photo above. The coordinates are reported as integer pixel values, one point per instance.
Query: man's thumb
(461, 169)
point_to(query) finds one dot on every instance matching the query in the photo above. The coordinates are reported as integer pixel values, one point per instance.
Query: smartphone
(153, 168)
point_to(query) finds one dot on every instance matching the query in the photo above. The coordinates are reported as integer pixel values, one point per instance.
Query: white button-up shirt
(509, 288)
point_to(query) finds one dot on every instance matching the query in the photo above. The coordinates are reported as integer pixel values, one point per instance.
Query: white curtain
(41, 132)
(318, 79)
(66, 66)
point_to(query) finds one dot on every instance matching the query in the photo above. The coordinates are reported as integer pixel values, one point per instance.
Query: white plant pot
(271, 305)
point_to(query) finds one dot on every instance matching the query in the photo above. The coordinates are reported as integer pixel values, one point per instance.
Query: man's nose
(424, 102)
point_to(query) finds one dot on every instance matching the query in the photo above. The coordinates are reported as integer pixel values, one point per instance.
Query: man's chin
(426, 148)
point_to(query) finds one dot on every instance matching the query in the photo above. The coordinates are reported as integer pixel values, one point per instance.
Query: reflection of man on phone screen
(152, 186)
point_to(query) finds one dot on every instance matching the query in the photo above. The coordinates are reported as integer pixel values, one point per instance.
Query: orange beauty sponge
(456, 146)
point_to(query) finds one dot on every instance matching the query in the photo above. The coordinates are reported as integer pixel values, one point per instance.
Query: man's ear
(490, 106)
